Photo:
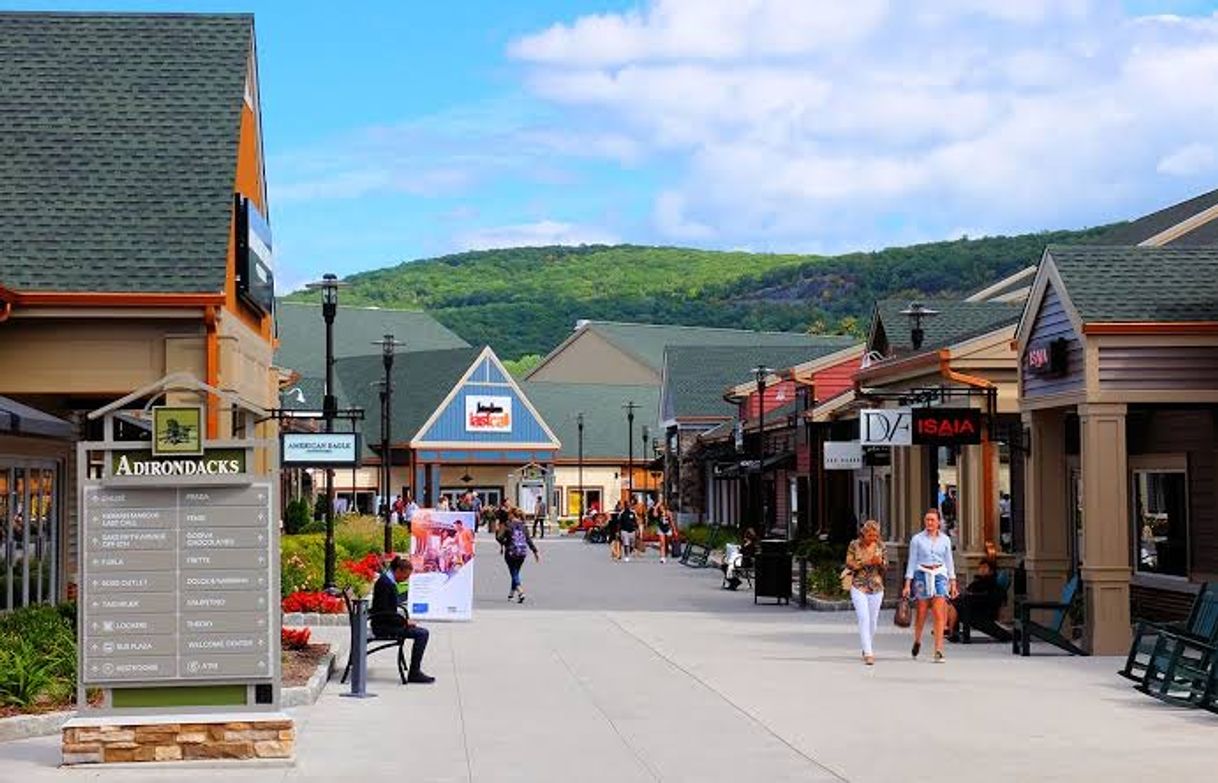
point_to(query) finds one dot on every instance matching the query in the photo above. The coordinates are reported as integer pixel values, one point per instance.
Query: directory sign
(177, 584)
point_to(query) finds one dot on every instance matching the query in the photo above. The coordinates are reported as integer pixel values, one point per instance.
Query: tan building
(133, 244)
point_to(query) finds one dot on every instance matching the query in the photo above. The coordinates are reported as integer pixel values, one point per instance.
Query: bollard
(803, 583)
(359, 651)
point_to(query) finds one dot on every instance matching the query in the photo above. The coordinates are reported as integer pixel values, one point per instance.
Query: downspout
(987, 446)
(210, 321)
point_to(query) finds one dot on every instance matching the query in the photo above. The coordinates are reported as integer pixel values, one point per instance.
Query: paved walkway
(645, 672)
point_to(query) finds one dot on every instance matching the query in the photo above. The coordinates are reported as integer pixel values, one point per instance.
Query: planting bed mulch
(43, 707)
(299, 665)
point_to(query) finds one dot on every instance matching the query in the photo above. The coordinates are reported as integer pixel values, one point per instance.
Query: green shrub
(816, 551)
(302, 563)
(701, 534)
(37, 655)
(297, 516)
(824, 580)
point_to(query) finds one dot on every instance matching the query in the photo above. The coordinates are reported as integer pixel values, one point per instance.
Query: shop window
(1160, 515)
(593, 501)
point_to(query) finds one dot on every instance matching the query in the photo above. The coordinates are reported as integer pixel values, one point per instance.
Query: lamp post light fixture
(328, 286)
(646, 438)
(630, 407)
(388, 345)
(579, 423)
(760, 374)
(915, 313)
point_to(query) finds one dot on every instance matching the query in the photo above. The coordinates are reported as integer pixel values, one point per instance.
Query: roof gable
(957, 320)
(118, 149)
(1138, 284)
(648, 342)
(1189, 223)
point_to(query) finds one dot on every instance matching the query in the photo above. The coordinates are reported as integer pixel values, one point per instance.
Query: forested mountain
(526, 300)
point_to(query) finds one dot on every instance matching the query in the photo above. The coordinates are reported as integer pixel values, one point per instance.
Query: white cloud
(540, 233)
(1189, 160)
(854, 124)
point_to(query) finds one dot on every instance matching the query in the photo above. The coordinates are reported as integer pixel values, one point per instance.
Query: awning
(20, 419)
(748, 466)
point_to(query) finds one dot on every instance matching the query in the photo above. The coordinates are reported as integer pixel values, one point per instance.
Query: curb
(310, 692)
(822, 605)
(21, 727)
(298, 619)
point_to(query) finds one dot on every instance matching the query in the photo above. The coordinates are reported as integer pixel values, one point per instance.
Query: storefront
(1118, 355)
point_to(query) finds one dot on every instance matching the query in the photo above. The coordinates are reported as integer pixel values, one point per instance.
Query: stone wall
(119, 742)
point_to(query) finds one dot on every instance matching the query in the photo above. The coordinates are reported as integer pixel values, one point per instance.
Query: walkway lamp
(579, 423)
(329, 286)
(388, 346)
(915, 313)
(646, 438)
(630, 407)
(761, 373)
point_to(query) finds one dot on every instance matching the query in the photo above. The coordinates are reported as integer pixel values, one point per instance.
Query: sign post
(178, 608)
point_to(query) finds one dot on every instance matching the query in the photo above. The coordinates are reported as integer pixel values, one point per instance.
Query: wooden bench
(971, 620)
(1201, 625)
(375, 644)
(1026, 629)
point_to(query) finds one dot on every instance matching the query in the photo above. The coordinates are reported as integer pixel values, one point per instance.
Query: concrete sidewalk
(641, 672)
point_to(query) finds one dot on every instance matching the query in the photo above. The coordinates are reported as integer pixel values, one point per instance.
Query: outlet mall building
(133, 245)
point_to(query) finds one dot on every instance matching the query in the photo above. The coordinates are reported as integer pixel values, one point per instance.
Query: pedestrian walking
(613, 534)
(866, 563)
(663, 528)
(517, 543)
(930, 577)
(539, 518)
(628, 523)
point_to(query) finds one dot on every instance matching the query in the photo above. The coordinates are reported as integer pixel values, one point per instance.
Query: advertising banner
(442, 550)
(488, 413)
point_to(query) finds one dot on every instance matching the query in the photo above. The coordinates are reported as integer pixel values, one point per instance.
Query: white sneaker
(663, 559)
(627, 560)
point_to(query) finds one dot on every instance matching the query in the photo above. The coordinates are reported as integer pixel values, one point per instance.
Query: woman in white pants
(866, 562)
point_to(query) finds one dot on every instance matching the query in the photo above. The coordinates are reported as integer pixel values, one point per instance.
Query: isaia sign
(946, 426)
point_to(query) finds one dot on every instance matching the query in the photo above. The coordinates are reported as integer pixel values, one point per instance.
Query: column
(419, 487)
(433, 484)
(1106, 566)
(1046, 518)
(970, 509)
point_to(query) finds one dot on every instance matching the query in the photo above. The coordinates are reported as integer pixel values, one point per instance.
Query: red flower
(313, 603)
(294, 638)
(368, 568)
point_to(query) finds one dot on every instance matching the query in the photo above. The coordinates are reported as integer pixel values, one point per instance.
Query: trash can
(772, 570)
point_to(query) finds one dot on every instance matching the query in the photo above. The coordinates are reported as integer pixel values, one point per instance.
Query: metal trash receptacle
(772, 570)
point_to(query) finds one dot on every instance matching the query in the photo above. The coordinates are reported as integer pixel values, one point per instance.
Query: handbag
(847, 577)
(903, 615)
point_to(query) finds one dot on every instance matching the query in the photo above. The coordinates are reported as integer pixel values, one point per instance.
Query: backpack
(518, 542)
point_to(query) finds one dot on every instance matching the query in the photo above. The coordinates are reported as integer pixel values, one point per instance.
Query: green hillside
(526, 300)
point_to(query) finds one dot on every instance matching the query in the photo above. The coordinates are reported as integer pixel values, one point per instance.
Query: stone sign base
(138, 738)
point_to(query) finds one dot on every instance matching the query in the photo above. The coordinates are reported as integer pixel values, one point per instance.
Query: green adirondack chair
(1202, 625)
(1026, 629)
(1181, 671)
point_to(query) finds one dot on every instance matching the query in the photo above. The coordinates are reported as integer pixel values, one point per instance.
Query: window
(593, 501)
(1160, 518)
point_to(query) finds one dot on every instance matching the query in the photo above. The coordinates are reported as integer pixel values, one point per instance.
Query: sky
(402, 130)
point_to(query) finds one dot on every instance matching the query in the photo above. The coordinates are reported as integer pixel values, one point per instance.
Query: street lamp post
(761, 372)
(388, 346)
(329, 309)
(579, 422)
(630, 407)
(646, 473)
(915, 313)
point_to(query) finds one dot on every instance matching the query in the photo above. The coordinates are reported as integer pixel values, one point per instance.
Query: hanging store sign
(843, 455)
(212, 462)
(1047, 358)
(946, 426)
(885, 427)
(485, 413)
(320, 449)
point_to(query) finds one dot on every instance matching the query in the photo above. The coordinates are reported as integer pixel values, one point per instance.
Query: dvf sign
(885, 427)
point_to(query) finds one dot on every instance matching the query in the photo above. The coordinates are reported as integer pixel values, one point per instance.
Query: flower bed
(294, 638)
(310, 602)
(356, 541)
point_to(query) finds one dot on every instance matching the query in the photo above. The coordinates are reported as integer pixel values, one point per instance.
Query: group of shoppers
(629, 518)
(930, 580)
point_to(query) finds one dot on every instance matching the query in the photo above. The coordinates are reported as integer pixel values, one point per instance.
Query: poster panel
(442, 550)
(488, 413)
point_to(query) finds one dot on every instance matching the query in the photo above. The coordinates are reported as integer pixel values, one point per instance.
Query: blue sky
(403, 130)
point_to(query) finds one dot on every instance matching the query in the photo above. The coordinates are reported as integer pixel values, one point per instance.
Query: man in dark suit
(387, 623)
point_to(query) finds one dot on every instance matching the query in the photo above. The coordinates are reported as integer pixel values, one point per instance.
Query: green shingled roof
(957, 321)
(1139, 283)
(1147, 226)
(695, 377)
(118, 149)
(605, 426)
(647, 342)
(302, 334)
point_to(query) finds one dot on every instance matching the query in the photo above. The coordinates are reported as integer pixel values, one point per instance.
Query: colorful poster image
(442, 550)
(488, 413)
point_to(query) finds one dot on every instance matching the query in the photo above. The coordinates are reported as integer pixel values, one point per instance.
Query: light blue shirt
(924, 550)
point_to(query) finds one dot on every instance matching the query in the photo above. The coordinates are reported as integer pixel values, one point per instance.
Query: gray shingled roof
(695, 377)
(957, 321)
(1147, 226)
(1139, 284)
(302, 334)
(648, 341)
(118, 149)
(605, 426)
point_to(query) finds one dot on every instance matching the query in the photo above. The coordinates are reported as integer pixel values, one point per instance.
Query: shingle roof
(118, 149)
(957, 321)
(695, 377)
(1139, 283)
(302, 334)
(605, 427)
(421, 381)
(1147, 226)
(648, 341)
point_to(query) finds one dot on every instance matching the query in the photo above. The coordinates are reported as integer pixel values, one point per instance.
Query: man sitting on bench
(388, 624)
(979, 604)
